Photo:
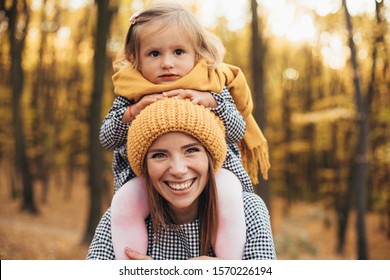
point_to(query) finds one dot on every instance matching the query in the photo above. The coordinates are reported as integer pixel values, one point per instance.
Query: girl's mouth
(169, 77)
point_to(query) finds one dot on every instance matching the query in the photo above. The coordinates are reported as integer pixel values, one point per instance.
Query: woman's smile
(179, 186)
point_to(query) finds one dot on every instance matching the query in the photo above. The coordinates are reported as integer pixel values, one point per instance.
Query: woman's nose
(178, 167)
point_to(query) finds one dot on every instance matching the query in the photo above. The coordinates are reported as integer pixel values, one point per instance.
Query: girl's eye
(154, 53)
(179, 52)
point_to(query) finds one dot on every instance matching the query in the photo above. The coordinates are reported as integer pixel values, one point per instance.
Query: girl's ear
(197, 58)
(133, 61)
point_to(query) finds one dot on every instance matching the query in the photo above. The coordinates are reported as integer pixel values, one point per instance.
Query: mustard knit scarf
(130, 83)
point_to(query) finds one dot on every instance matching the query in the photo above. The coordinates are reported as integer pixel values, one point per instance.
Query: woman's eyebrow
(191, 145)
(156, 150)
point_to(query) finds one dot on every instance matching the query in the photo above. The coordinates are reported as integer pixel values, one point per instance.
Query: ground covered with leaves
(303, 231)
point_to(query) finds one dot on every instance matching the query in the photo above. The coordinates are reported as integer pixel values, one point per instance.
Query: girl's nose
(167, 62)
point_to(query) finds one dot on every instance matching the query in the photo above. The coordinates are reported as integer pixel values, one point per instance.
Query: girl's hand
(134, 109)
(133, 255)
(204, 98)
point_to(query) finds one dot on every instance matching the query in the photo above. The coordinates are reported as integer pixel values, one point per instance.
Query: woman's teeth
(180, 186)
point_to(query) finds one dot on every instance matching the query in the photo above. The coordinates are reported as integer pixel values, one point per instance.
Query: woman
(176, 147)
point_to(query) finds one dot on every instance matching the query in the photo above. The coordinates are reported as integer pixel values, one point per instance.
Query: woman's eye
(192, 150)
(154, 53)
(158, 155)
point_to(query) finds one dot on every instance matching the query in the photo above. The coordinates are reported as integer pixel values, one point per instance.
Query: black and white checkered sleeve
(113, 132)
(235, 126)
(227, 111)
(259, 244)
(101, 247)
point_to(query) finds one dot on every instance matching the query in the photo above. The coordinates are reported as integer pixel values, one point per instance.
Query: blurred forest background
(320, 78)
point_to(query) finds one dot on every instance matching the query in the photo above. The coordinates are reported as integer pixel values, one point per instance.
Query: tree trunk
(342, 195)
(288, 175)
(95, 150)
(258, 53)
(18, 21)
(359, 168)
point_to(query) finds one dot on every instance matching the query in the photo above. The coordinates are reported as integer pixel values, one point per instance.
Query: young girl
(170, 53)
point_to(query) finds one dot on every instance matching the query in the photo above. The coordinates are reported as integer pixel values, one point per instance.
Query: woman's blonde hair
(162, 215)
(205, 43)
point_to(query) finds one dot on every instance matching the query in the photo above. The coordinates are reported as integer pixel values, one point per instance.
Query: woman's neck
(185, 215)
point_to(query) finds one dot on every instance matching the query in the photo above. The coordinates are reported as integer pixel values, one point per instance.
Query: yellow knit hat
(169, 115)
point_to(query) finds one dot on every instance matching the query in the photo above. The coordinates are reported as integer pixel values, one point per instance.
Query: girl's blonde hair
(205, 43)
